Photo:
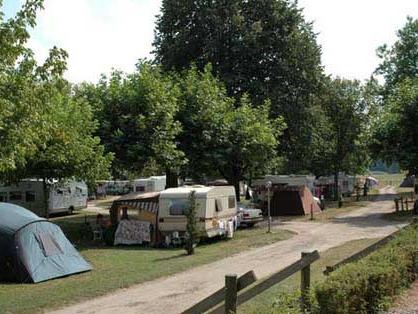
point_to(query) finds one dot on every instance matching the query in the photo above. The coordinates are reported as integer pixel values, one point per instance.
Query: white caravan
(29, 193)
(151, 184)
(216, 211)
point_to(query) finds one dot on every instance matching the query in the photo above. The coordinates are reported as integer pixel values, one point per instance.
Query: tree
(44, 132)
(394, 127)
(221, 138)
(342, 130)
(261, 48)
(395, 131)
(191, 228)
(248, 146)
(203, 104)
(136, 113)
(400, 61)
(20, 106)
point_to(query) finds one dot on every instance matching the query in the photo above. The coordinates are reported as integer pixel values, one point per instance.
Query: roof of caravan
(138, 195)
(13, 218)
(200, 190)
(283, 179)
(153, 178)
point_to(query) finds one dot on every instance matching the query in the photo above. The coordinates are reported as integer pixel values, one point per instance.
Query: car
(248, 216)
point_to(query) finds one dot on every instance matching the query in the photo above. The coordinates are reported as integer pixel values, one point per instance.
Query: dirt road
(176, 293)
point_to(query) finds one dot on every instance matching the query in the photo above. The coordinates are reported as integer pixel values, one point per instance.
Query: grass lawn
(263, 303)
(120, 267)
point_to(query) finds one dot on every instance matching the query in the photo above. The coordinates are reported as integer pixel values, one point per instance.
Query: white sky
(103, 34)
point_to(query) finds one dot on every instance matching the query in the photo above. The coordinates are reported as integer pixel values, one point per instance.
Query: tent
(139, 206)
(293, 200)
(33, 249)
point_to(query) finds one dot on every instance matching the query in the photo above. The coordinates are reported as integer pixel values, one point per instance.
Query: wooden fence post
(230, 294)
(406, 204)
(397, 204)
(305, 284)
(401, 203)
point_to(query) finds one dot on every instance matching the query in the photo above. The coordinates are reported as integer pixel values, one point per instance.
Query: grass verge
(264, 302)
(121, 267)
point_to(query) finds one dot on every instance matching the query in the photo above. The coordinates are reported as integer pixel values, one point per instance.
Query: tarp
(34, 249)
(297, 200)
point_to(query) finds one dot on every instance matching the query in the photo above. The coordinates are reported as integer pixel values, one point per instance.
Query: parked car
(248, 216)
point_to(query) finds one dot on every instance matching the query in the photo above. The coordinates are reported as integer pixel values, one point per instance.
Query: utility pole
(268, 185)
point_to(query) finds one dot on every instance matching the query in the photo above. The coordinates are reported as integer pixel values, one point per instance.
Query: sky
(103, 34)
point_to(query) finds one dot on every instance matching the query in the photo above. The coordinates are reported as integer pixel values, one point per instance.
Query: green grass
(120, 267)
(263, 303)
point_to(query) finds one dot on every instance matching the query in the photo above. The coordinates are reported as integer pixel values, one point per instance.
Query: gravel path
(178, 292)
(407, 303)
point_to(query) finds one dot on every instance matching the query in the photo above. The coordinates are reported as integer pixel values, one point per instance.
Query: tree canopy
(43, 131)
(261, 48)
(394, 129)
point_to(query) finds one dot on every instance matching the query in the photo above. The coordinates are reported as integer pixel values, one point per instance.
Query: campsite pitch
(121, 267)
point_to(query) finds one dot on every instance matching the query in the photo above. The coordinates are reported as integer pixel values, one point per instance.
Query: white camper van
(29, 193)
(216, 211)
(151, 184)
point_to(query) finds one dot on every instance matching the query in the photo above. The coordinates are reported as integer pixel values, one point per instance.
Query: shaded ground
(176, 293)
(407, 302)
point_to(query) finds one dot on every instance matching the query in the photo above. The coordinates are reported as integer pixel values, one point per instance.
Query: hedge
(368, 286)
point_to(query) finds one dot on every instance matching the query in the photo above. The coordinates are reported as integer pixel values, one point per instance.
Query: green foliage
(137, 113)
(191, 228)
(395, 132)
(250, 143)
(264, 49)
(340, 135)
(43, 131)
(368, 285)
(399, 62)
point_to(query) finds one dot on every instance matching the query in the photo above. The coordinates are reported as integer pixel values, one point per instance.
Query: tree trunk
(46, 197)
(237, 190)
(172, 179)
(336, 188)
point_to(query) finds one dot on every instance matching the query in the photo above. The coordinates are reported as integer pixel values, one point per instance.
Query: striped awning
(150, 206)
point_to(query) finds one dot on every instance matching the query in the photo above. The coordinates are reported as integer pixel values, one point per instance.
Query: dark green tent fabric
(32, 249)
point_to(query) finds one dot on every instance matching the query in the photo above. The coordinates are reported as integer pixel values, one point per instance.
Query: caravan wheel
(70, 210)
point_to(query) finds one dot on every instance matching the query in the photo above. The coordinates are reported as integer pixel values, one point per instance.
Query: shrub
(368, 285)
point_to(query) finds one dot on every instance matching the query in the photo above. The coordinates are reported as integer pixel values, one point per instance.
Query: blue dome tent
(32, 249)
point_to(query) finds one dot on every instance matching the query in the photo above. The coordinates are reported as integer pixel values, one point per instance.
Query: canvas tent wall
(292, 200)
(32, 249)
(138, 206)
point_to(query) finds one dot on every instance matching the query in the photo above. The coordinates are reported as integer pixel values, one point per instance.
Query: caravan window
(30, 196)
(218, 205)
(140, 189)
(15, 196)
(178, 207)
(231, 202)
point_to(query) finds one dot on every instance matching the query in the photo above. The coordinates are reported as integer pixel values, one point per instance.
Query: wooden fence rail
(233, 299)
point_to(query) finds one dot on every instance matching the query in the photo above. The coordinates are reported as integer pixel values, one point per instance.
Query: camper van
(151, 184)
(29, 193)
(216, 211)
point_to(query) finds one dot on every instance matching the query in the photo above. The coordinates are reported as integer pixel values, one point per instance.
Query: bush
(368, 285)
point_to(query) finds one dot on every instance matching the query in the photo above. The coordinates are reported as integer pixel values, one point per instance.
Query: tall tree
(263, 48)
(342, 130)
(394, 128)
(248, 146)
(137, 114)
(20, 106)
(203, 104)
(400, 61)
(43, 131)
(395, 131)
